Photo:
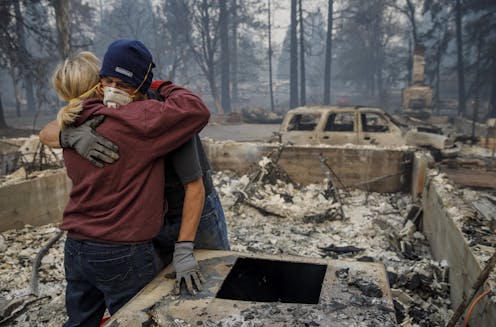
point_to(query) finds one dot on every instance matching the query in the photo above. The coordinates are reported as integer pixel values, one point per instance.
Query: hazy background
(220, 49)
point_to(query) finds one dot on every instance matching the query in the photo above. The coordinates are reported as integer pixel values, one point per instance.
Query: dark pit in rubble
(273, 281)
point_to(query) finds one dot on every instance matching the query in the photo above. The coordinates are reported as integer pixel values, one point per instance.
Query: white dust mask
(114, 98)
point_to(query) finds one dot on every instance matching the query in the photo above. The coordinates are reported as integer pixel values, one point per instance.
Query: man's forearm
(194, 199)
(49, 135)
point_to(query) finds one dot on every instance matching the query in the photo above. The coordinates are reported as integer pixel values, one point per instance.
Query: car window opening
(303, 122)
(374, 123)
(340, 122)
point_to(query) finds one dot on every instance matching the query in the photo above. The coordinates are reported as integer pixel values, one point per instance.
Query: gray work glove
(89, 144)
(186, 268)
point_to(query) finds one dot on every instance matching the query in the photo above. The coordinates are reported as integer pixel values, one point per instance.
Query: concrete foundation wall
(448, 243)
(366, 168)
(35, 202)
(42, 200)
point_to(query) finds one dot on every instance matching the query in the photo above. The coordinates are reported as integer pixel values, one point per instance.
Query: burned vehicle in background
(358, 125)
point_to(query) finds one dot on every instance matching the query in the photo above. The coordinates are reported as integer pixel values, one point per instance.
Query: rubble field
(266, 213)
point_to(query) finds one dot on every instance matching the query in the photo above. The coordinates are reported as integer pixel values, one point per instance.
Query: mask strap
(85, 94)
(144, 80)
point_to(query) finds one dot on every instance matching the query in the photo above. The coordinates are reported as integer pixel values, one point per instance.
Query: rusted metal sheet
(267, 290)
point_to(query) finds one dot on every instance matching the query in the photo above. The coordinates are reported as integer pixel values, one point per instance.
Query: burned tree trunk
(62, 21)
(24, 58)
(459, 54)
(224, 57)
(3, 124)
(293, 70)
(234, 54)
(303, 95)
(328, 56)
(492, 102)
(271, 88)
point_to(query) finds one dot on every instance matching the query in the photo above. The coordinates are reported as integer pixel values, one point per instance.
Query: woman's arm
(49, 135)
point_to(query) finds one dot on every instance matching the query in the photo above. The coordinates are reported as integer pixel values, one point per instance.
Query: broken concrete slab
(35, 201)
(270, 290)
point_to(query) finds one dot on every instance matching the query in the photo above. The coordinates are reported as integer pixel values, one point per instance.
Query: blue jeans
(211, 233)
(104, 276)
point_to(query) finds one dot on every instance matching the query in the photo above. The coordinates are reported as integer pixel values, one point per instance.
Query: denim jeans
(211, 233)
(104, 276)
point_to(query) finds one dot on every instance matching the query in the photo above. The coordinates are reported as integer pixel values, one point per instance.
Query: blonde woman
(84, 70)
(114, 211)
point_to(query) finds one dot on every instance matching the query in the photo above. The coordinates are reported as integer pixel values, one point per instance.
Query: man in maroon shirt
(114, 211)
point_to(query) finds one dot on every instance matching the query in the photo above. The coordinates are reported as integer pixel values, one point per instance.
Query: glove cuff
(62, 141)
(184, 245)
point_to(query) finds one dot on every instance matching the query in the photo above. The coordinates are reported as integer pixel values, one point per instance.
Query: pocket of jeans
(147, 263)
(111, 270)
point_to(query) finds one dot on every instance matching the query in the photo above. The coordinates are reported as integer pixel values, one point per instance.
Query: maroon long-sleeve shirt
(124, 202)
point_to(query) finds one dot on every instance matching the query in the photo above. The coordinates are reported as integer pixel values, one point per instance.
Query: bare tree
(10, 45)
(224, 56)
(293, 74)
(480, 41)
(438, 38)
(234, 52)
(328, 55)
(174, 28)
(244, 23)
(23, 57)
(440, 49)
(3, 124)
(204, 44)
(409, 10)
(459, 55)
(303, 86)
(269, 52)
(62, 21)
(492, 100)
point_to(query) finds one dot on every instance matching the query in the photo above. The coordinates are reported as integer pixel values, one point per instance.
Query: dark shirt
(182, 166)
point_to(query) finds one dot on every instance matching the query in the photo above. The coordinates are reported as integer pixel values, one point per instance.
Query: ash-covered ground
(266, 213)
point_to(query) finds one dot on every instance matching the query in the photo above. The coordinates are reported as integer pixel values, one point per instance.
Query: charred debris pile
(268, 213)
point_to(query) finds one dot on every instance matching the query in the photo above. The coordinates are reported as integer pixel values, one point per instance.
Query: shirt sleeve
(186, 161)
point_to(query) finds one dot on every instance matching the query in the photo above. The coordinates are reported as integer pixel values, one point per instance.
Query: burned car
(357, 125)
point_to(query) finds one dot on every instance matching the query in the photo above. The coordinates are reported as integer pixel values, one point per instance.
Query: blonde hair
(75, 80)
